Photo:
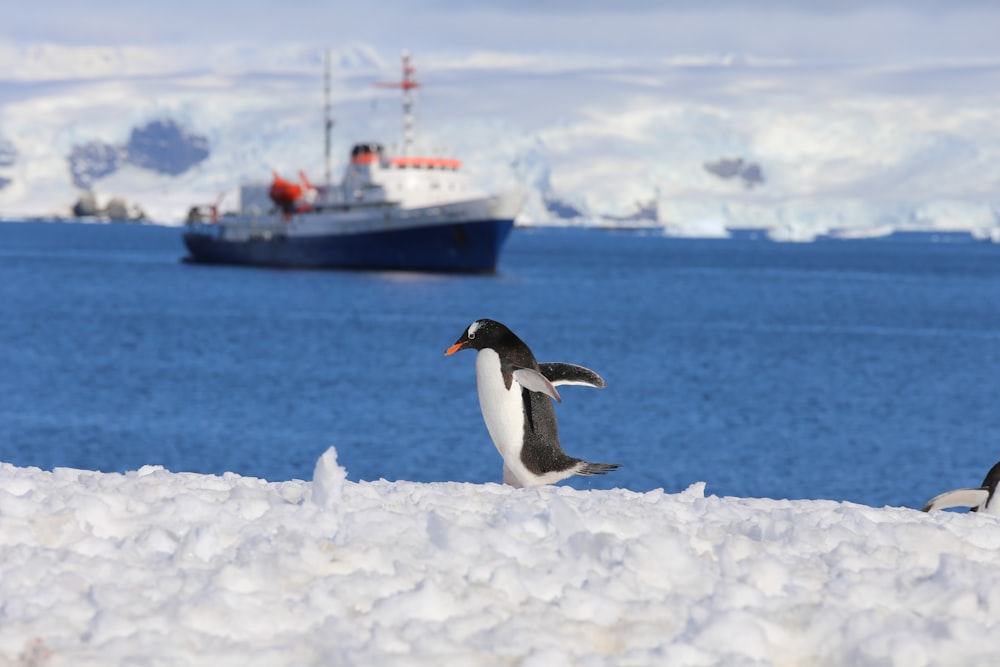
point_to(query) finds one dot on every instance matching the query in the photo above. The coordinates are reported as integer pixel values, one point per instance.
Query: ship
(404, 212)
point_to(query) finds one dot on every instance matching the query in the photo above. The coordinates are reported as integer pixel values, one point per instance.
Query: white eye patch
(474, 327)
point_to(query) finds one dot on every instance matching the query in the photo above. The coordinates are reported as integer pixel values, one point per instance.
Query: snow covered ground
(160, 568)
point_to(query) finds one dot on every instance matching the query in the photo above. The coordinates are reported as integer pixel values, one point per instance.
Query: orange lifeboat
(284, 193)
(288, 196)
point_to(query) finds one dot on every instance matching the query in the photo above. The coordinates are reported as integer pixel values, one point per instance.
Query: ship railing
(241, 229)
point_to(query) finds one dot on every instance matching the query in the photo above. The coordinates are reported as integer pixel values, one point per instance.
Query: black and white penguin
(515, 393)
(982, 499)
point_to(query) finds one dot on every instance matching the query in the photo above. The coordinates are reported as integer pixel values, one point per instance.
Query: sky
(882, 30)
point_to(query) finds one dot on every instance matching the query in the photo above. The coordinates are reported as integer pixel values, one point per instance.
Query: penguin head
(482, 334)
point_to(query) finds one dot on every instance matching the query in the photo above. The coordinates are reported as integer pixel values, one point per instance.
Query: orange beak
(454, 348)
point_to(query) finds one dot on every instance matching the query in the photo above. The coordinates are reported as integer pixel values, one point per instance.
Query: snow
(177, 568)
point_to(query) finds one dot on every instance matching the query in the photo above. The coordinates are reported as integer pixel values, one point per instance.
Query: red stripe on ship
(426, 162)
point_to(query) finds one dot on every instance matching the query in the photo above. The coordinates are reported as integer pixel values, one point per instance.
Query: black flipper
(559, 373)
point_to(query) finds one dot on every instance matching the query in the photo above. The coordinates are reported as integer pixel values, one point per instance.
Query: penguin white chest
(502, 408)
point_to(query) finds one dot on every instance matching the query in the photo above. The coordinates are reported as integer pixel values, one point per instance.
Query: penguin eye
(472, 334)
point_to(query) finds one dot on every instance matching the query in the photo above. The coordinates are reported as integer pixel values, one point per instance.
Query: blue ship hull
(469, 247)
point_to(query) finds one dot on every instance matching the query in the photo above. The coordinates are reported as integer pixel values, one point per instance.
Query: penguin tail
(588, 468)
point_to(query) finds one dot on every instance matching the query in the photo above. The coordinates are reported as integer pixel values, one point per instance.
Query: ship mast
(327, 117)
(408, 83)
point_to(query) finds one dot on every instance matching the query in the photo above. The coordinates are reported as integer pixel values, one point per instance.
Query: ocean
(855, 370)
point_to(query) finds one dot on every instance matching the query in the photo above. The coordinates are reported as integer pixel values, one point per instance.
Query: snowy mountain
(694, 144)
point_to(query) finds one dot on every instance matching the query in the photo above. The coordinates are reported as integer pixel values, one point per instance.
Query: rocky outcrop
(729, 168)
(162, 146)
(166, 148)
(8, 157)
(94, 160)
(560, 209)
(116, 209)
(8, 153)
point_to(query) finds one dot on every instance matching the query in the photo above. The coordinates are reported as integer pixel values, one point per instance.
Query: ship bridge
(373, 178)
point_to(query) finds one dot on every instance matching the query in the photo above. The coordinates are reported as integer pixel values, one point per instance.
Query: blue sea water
(861, 370)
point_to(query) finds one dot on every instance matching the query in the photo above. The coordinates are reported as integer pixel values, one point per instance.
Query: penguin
(515, 396)
(981, 499)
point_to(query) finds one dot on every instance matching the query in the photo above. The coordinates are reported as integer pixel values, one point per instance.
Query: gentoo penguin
(982, 498)
(514, 396)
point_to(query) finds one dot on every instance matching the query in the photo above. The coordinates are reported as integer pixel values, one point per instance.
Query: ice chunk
(328, 480)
